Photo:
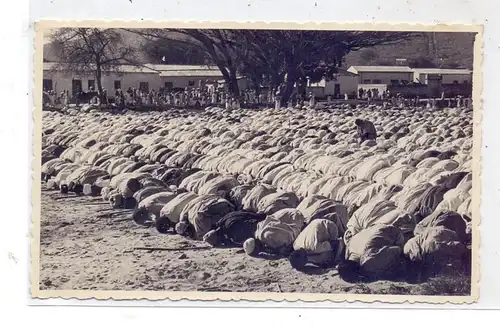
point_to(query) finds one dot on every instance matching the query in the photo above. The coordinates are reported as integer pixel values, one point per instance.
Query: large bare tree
(219, 46)
(91, 51)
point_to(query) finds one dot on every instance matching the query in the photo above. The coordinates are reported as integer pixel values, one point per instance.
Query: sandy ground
(82, 248)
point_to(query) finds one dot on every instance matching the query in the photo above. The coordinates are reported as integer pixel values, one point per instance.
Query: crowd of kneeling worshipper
(375, 193)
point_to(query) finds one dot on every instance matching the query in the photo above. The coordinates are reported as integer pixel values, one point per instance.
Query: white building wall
(419, 77)
(183, 81)
(446, 78)
(348, 84)
(60, 81)
(63, 81)
(461, 78)
(380, 87)
(132, 80)
(318, 91)
(384, 77)
(330, 87)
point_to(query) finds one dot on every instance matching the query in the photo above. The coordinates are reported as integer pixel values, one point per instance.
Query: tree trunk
(289, 86)
(229, 75)
(98, 77)
(233, 84)
(302, 89)
(257, 88)
(256, 82)
(275, 80)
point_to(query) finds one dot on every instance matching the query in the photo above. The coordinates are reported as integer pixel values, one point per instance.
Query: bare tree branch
(91, 51)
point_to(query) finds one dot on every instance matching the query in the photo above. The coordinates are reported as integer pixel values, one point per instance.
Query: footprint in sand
(238, 267)
(47, 282)
(204, 275)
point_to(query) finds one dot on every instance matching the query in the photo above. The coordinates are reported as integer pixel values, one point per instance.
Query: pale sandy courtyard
(82, 248)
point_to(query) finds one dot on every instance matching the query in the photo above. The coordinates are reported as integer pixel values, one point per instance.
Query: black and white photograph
(258, 161)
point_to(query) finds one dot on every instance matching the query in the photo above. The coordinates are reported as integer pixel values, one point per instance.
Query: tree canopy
(278, 59)
(176, 52)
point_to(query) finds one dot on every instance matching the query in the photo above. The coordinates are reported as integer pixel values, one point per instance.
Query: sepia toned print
(256, 162)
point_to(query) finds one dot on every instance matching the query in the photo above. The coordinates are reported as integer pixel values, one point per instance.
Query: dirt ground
(84, 248)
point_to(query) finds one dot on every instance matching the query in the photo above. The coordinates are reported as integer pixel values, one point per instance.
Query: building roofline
(369, 69)
(442, 70)
(146, 68)
(407, 69)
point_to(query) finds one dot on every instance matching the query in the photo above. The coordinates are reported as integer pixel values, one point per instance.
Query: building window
(367, 81)
(118, 85)
(91, 84)
(394, 81)
(47, 85)
(191, 83)
(377, 81)
(144, 87)
(169, 85)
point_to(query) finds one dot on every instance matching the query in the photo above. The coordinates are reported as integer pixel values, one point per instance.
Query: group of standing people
(373, 94)
(51, 98)
(196, 97)
(189, 97)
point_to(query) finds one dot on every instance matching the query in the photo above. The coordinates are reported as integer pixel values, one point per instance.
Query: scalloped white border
(36, 293)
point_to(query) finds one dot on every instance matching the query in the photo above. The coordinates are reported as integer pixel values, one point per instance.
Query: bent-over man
(366, 130)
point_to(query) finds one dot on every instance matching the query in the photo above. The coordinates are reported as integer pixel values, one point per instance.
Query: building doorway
(336, 91)
(76, 86)
(47, 85)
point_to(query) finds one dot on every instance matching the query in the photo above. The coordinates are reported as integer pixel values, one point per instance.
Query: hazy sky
(46, 38)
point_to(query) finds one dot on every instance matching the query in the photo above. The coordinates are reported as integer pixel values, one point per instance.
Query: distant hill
(452, 50)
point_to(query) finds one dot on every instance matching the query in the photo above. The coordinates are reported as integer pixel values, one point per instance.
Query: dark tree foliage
(173, 52)
(293, 56)
(219, 47)
(278, 59)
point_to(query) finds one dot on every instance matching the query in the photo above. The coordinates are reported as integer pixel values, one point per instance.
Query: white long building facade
(145, 78)
(391, 75)
(151, 77)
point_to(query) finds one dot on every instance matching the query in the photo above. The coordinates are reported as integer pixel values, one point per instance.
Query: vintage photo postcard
(255, 161)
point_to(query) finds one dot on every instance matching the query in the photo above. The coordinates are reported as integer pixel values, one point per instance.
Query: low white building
(394, 75)
(344, 82)
(147, 77)
(448, 76)
(182, 76)
(382, 74)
